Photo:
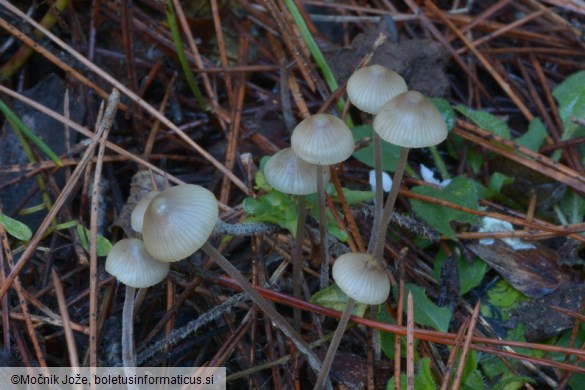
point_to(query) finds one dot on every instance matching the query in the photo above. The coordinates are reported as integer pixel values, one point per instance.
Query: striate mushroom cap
(369, 88)
(287, 173)
(410, 120)
(322, 139)
(361, 277)
(137, 216)
(178, 221)
(131, 264)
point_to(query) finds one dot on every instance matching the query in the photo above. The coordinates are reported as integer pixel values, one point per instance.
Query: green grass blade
(174, 27)
(19, 126)
(316, 53)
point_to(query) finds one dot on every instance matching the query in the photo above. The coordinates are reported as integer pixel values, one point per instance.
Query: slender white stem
(297, 260)
(376, 248)
(328, 361)
(128, 359)
(379, 200)
(128, 356)
(276, 318)
(324, 279)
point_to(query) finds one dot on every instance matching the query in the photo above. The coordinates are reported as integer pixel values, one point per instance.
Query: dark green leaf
(275, 207)
(571, 97)
(446, 111)
(333, 298)
(390, 152)
(425, 311)
(534, 136)
(461, 191)
(486, 121)
(103, 244)
(15, 228)
(423, 378)
(498, 180)
(471, 274)
(354, 196)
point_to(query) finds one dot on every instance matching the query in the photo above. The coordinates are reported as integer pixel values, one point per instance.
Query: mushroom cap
(178, 221)
(137, 216)
(289, 174)
(131, 264)
(322, 139)
(361, 277)
(410, 120)
(369, 88)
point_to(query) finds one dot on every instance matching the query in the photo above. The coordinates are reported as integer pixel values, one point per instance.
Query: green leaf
(573, 207)
(486, 121)
(570, 95)
(103, 244)
(534, 136)
(513, 382)
(275, 207)
(423, 378)
(503, 297)
(474, 160)
(390, 152)
(386, 338)
(461, 191)
(498, 180)
(446, 111)
(474, 381)
(353, 197)
(15, 228)
(471, 274)
(261, 183)
(333, 298)
(426, 313)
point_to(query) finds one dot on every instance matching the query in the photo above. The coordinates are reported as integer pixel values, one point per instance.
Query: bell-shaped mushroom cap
(137, 216)
(131, 264)
(322, 139)
(291, 175)
(410, 120)
(361, 277)
(371, 87)
(178, 221)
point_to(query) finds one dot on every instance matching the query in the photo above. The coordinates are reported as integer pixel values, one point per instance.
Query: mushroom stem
(128, 358)
(379, 200)
(266, 307)
(297, 260)
(324, 279)
(378, 172)
(376, 247)
(328, 361)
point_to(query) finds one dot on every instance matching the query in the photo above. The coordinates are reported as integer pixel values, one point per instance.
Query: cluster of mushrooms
(178, 221)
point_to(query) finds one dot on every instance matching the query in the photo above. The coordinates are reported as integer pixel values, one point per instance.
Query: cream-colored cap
(178, 221)
(410, 120)
(369, 88)
(289, 174)
(322, 139)
(361, 277)
(137, 216)
(131, 264)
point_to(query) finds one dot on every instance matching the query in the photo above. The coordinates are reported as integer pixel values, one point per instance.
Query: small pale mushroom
(287, 173)
(361, 277)
(408, 120)
(130, 262)
(322, 139)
